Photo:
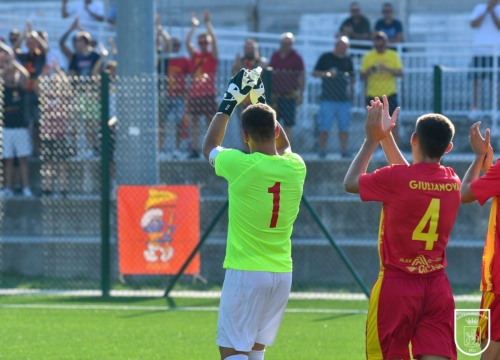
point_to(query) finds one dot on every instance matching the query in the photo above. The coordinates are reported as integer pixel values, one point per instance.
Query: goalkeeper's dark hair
(259, 121)
(434, 132)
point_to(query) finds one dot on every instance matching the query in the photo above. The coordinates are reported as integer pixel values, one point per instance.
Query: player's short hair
(259, 122)
(434, 132)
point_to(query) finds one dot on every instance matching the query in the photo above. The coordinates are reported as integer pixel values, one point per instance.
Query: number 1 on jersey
(275, 190)
(431, 216)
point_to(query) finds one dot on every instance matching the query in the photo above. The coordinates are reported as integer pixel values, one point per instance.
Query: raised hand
(387, 120)
(28, 28)
(206, 16)
(257, 94)
(103, 50)
(194, 20)
(374, 128)
(76, 24)
(479, 145)
(237, 90)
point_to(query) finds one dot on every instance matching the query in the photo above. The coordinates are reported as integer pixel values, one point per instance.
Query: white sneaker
(27, 192)
(6, 193)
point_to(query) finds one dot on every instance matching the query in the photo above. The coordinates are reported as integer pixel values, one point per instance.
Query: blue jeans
(328, 110)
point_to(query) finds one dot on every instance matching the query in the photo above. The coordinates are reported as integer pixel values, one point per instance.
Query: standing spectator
(336, 72)
(201, 100)
(380, 68)
(357, 26)
(85, 10)
(485, 20)
(33, 60)
(288, 82)
(113, 9)
(81, 64)
(15, 134)
(393, 28)
(251, 59)
(54, 90)
(177, 70)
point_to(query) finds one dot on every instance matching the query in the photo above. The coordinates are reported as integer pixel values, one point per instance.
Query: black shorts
(392, 99)
(481, 62)
(285, 108)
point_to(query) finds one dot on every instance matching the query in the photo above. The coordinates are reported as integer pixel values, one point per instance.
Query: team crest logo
(472, 325)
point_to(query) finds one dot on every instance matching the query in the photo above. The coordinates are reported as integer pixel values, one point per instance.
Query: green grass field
(43, 327)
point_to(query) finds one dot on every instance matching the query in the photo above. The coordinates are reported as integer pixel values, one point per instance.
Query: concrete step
(344, 216)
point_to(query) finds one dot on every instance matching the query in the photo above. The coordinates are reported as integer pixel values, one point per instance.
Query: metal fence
(91, 225)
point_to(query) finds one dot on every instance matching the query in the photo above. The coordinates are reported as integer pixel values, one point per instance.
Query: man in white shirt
(485, 20)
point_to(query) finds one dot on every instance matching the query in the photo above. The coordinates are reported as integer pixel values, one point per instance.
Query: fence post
(105, 186)
(267, 74)
(438, 89)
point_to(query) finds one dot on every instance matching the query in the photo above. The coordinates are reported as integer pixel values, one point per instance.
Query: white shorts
(251, 307)
(16, 142)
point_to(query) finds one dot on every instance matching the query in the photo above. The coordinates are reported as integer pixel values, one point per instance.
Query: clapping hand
(238, 89)
(387, 120)
(194, 20)
(374, 127)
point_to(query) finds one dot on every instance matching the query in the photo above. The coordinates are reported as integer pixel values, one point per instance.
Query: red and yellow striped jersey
(420, 205)
(484, 188)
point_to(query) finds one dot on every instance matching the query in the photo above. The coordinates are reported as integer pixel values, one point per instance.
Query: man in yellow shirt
(265, 189)
(380, 68)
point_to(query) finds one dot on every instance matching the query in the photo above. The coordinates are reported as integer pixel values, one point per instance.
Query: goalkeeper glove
(257, 94)
(237, 90)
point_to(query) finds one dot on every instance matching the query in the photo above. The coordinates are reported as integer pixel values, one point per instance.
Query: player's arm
(483, 160)
(391, 150)
(237, 90)
(282, 143)
(375, 132)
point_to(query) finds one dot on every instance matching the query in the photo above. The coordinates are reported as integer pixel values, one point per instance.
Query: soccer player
(481, 189)
(265, 189)
(412, 298)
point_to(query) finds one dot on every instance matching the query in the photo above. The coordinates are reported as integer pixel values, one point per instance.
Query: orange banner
(158, 228)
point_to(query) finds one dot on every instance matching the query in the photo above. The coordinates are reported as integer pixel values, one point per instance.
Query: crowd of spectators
(30, 69)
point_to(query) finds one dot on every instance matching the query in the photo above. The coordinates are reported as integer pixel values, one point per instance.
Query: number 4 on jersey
(430, 217)
(275, 190)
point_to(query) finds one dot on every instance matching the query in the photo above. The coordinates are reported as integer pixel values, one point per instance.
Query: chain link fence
(120, 164)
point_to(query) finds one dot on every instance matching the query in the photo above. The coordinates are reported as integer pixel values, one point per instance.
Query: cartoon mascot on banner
(157, 223)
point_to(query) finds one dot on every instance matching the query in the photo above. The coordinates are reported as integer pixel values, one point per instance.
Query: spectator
(336, 72)
(53, 55)
(82, 63)
(33, 60)
(391, 27)
(85, 10)
(201, 99)
(177, 70)
(357, 26)
(485, 20)
(380, 68)
(288, 82)
(15, 134)
(113, 9)
(54, 90)
(251, 59)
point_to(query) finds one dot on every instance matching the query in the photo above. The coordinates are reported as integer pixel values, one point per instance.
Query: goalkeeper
(265, 189)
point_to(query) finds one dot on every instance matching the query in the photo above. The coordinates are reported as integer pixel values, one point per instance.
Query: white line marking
(161, 308)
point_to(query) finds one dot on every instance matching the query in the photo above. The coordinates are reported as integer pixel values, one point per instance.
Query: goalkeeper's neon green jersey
(264, 198)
